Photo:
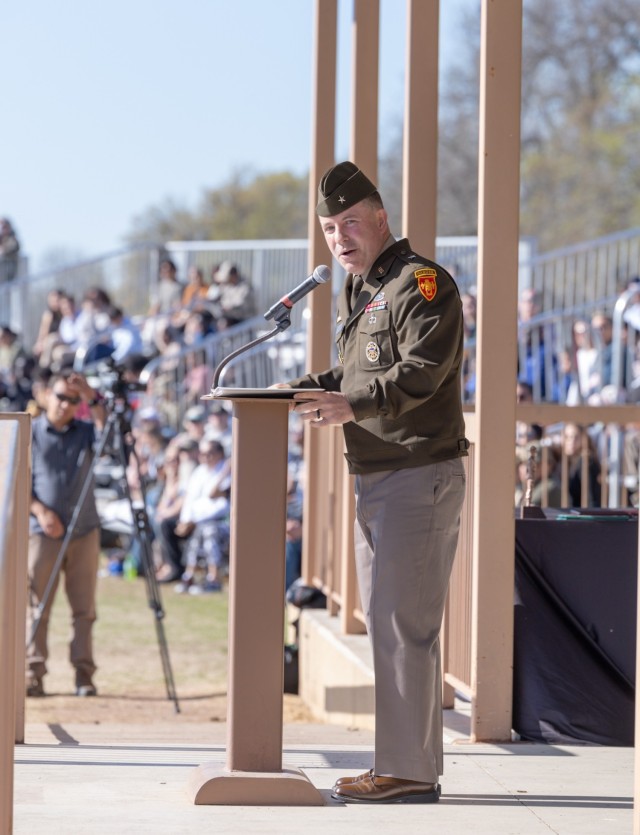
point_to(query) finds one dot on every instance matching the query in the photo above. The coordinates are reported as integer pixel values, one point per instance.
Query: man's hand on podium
(324, 408)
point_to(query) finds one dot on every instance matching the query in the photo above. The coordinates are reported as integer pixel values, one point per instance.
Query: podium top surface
(221, 393)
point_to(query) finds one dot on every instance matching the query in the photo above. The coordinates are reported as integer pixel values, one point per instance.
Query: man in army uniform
(396, 391)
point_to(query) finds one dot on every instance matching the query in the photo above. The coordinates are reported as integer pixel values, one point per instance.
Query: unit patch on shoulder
(427, 282)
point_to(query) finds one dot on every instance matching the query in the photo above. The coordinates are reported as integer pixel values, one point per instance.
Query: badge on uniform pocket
(372, 351)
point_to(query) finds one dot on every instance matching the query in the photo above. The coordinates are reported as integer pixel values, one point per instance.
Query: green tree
(248, 206)
(580, 124)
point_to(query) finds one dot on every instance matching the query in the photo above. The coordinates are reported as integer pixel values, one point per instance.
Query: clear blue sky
(110, 108)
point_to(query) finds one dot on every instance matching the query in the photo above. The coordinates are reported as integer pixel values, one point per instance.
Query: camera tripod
(114, 437)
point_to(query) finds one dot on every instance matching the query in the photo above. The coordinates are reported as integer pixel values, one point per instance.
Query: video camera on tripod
(115, 381)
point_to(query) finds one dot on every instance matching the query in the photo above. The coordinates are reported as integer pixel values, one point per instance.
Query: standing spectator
(232, 295)
(62, 460)
(9, 251)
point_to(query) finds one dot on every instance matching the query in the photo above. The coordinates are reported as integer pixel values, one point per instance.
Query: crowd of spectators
(572, 361)
(184, 474)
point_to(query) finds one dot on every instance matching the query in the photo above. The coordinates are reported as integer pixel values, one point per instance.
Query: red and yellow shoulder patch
(427, 282)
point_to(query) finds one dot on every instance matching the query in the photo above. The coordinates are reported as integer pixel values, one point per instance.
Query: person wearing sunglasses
(62, 462)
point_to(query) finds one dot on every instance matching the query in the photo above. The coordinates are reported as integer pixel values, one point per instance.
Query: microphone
(320, 275)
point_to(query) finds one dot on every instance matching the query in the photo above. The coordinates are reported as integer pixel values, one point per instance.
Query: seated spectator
(631, 463)
(583, 359)
(218, 426)
(537, 360)
(603, 389)
(59, 343)
(92, 325)
(16, 368)
(10, 349)
(581, 457)
(198, 368)
(469, 312)
(168, 504)
(194, 298)
(193, 425)
(9, 251)
(124, 335)
(195, 291)
(632, 313)
(167, 297)
(49, 321)
(232, 295)
(293, 540)
(209, 482)
(165, 302)
(209, 542)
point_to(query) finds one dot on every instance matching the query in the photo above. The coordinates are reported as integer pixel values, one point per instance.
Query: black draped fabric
(575, 631)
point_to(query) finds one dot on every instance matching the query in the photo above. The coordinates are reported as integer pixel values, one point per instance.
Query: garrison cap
(341, 187)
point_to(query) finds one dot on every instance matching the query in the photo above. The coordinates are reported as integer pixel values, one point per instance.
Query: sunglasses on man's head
(64, 398)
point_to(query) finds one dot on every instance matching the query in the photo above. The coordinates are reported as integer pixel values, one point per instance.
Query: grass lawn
(130, 680)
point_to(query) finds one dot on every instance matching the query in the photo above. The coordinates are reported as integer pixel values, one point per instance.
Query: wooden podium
(254, 774)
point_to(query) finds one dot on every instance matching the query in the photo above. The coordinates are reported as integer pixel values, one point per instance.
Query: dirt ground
(61, 708)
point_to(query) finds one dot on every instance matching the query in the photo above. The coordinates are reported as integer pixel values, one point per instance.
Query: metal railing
(585, 272)
(177, 381)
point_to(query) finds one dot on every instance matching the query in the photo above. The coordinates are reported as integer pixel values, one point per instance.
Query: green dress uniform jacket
(400, 350)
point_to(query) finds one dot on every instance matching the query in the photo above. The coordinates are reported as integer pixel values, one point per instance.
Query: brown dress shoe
(374, 789)
(347, 781)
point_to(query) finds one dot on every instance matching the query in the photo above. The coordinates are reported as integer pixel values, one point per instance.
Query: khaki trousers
(406, 532)
(80, 567)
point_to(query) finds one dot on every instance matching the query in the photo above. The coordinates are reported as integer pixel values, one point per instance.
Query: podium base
(213, 785)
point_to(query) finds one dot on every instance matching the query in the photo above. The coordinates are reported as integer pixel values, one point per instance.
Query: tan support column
(636, 760)
(21, 532)
(498, 230)
(420, 151)
(316, 512)
(15, 464)
(364, 90)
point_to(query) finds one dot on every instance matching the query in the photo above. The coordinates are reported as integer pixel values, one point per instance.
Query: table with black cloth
(575, 630)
